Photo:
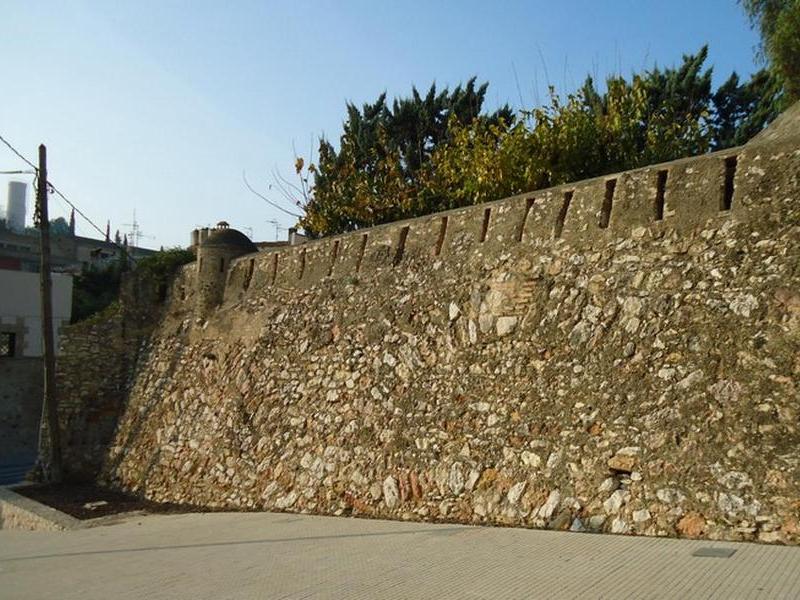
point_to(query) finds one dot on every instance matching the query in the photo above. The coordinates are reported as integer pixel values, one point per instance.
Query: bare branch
(267, 200)
(277, 174)
(282, 189)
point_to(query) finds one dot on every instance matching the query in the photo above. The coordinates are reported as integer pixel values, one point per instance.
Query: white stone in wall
(506, 325)
(619, 525)
(391, 495)
(530, 459)
(614, 503)
(515, 493)
(456, 479)
(453, 311)
(548, 508)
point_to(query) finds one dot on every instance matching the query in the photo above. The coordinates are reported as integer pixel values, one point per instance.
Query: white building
(21, 312)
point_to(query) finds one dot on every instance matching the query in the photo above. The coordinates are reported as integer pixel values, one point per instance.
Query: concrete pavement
(264, 555)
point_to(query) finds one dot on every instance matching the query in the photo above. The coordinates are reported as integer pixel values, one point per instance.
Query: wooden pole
(49, 438)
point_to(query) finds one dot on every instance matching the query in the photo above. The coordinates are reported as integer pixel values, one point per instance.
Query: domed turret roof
(230, 238)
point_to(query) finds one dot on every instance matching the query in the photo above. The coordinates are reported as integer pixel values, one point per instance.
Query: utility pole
(49, 439)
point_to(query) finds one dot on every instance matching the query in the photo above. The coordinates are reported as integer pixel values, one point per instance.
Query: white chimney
(15, 206)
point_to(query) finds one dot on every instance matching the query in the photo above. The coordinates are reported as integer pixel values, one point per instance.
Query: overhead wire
(58, 192)
(14, 150)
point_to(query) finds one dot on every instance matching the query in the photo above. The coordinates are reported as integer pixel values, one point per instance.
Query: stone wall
(607, 357)
(90, 378)
(95, 366)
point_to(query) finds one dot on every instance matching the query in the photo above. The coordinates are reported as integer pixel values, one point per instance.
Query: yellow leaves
(564, 141)
(298, 165)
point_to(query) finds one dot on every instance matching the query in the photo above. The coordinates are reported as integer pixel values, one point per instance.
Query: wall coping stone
(21, 513)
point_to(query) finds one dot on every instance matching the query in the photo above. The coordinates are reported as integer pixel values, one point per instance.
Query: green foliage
(744, 109)
(778, 22)
(384, 154)
(58, 227)
(586, 135)
(93, 290)
(159, 268)
(431, 153)
(96, 288)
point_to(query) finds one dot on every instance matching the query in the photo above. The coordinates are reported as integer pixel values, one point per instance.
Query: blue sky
(160, 106)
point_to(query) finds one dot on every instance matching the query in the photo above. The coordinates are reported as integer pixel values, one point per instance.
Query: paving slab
(274, 555)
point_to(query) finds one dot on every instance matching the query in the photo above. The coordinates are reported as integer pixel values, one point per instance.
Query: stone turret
(214, 255)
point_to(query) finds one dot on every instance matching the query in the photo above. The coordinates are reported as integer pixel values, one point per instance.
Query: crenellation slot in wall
(401, 246)
(661, 189)
(302, 264)
(487, 215)
(334, 256)
(562, 214)
(608, 203)
(274, 268)
(362, 249)
(221, 264)
(251, 265)
(442, 235)
(528, 206)
(728, 188)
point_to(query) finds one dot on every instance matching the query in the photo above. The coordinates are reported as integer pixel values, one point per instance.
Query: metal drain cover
(714, 552)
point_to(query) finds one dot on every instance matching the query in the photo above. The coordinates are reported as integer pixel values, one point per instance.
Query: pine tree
(778, 22)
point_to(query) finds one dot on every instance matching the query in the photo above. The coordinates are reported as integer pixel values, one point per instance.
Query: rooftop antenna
(278, 227)
(136, 232)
